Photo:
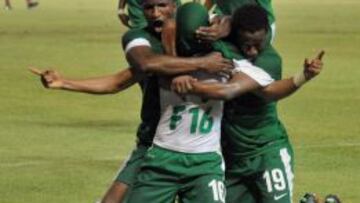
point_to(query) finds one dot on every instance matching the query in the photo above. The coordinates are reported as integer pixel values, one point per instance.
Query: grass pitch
(60, 147)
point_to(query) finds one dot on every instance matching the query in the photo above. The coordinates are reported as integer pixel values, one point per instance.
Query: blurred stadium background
(65, 147)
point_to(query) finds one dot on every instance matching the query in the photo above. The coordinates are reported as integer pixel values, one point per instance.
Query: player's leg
(203, 179)
(157, 181)
(209, 189)
(118, 191)
(238, 191)
(276, 181)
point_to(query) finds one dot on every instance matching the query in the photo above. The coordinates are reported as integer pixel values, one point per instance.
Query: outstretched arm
(100, 85)
(283, 88)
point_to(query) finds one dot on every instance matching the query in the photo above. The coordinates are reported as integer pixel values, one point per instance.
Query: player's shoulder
(228, 49)
(270, 61)
(133, 34)
(270, 53)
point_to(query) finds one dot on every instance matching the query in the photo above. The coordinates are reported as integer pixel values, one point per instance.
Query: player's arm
(239, 84)
(98, 85)
(168, 37)
(124, 18)
(143, 58)
(283, 88)
(249, 81)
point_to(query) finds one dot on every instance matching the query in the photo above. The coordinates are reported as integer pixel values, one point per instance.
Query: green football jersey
(250, 124)
(150, 110)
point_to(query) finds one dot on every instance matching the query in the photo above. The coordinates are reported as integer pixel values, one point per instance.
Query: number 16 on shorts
(218, 190)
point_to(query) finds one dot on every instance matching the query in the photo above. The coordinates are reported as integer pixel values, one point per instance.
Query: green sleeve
(270, 61)
(134, 34)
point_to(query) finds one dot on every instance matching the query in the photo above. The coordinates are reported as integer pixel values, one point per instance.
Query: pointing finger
(320, 55)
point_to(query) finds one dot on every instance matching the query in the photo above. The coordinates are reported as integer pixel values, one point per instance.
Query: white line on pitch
(329, 145)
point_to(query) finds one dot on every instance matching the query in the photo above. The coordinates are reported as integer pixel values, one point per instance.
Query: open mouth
(158, 23)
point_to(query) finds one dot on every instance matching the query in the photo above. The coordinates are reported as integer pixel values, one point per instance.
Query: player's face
(158, 11)
(251, 43)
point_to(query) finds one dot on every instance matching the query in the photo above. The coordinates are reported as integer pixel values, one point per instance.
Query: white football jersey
(189, 123)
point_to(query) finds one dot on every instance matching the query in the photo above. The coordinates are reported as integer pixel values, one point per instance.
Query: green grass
(65, 147)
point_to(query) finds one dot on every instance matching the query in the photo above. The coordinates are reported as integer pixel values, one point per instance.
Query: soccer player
(30, 4)
(187, 124)
(258, 154)
(144, 50)
(184, 160)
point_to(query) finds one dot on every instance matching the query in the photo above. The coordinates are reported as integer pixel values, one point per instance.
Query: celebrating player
(258, 154)
(144, 50)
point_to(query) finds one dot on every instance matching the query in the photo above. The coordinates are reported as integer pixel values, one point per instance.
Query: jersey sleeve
(270, 61)
(134, 38)
(256, 73)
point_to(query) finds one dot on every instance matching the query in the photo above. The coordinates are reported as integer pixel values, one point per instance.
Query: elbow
(227, 97)
(222, 95)
(269, 96)
(148, 66)
(227, 94)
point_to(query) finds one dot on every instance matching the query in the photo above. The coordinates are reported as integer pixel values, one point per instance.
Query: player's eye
(162, 5)
(148, 6)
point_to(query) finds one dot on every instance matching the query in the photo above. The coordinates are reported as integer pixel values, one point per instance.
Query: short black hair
(251, 18)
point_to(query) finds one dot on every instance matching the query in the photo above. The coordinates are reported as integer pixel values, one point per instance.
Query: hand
(313, 67)
(216, 63)
(182, 84)
(49, 78)
(219, 28)
(124, 19)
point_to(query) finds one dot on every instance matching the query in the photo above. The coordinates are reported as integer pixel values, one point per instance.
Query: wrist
(64, 85)
(121, 11)
(299, 79)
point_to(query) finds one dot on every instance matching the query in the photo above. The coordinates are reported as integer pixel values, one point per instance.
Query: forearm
(121, 4)
(101, 85)
(278, 89)
(217, 91)
(168, 65)
(237, 86)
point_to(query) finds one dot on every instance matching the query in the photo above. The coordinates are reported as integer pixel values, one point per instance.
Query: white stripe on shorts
(286, 159)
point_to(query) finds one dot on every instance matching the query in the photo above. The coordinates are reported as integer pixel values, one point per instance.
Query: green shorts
(193, 178)
(266, 178)
(130, 168)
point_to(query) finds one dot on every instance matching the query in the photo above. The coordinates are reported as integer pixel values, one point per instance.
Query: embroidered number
(274, 180)
(218, 190)
(204, 125)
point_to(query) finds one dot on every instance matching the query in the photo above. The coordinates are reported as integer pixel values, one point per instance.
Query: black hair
(251, 18)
